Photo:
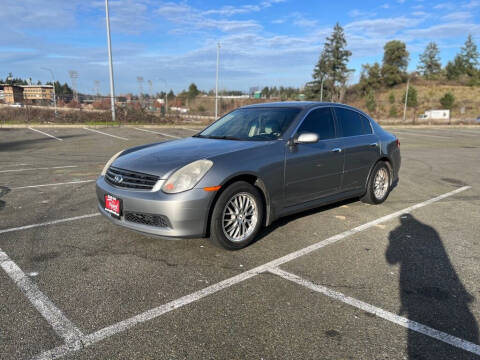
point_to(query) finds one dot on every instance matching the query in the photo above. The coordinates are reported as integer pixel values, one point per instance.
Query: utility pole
(321, 89)
(54, 93)
(109, 41)
(406, 100)
(216, 82)
(74, 76)
(140, 88)
(97, 87)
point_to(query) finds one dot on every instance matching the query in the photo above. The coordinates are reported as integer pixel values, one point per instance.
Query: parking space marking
(44, 133)
(54, 184)
(104, 133)
(156, 132)
(53, 315)
(417, 134)
(42, 168)
(91, 339)
(399, 320)
(53, 222)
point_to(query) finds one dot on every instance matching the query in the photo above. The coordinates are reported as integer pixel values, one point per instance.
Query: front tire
(237, 216)
(379, 184)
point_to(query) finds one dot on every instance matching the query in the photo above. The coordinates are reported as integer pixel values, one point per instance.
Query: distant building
(20, 93)
(38, 92)
(12, 94)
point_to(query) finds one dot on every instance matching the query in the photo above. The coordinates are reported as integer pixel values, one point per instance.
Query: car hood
(161, 159)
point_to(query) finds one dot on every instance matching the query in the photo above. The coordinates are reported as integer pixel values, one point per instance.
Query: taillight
(398, 143)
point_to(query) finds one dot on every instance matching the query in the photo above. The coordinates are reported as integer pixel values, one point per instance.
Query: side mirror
(306, 138)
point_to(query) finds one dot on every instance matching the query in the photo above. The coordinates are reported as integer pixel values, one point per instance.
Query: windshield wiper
(223, 137)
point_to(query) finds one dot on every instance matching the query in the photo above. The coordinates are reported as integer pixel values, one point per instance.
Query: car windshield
(254, 124)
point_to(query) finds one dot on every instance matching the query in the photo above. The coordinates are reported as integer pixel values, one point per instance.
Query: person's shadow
(431, 292)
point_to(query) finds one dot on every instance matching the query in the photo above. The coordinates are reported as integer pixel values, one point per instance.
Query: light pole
(216, 82)
(406, 100)
(321, 89)
(112, 87)
(54, 93)
(166, 95)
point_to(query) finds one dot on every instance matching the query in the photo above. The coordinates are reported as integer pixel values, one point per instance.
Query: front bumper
(186, 213)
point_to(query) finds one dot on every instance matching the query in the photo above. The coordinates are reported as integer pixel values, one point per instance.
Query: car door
(360, 145)
(314, 170)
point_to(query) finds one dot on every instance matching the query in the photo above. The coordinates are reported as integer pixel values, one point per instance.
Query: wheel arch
(252, 179)
(388, 162)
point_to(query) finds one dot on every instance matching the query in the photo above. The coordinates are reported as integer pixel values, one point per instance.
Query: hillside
(429, 94)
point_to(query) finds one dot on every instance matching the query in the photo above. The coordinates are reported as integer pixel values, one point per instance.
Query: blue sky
(264, 42)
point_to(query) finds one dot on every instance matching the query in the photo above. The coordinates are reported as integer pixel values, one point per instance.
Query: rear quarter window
(352, 123)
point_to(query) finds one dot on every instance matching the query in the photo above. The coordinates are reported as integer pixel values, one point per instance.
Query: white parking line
(44, 133)
(54, 184)
(399, 320)
(123, 325)
(53, 222)
(42, 168)
(60, 324)
(103, 133)
(159, 133)
(417, 134)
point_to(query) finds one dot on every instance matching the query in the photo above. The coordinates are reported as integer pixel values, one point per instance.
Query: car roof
(304, 105)
(296, 104)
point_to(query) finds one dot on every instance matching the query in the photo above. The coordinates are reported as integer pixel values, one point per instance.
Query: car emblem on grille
(118, 179)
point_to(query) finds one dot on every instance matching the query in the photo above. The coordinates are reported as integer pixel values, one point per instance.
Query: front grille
(148, 219)
(130, 179)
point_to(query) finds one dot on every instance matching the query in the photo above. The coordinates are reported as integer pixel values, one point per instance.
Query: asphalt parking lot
(349, 281)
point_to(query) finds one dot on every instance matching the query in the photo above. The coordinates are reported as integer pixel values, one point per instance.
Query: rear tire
(379, 184)
(237, 216)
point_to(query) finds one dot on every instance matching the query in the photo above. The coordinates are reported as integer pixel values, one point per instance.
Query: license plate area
(113, 205)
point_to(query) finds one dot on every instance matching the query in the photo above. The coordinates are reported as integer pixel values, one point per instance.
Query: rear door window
(367, 128)
(319, 121)
(352, 123)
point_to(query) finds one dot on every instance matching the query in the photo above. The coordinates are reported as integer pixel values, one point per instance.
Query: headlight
(107, 165)
(187, 177)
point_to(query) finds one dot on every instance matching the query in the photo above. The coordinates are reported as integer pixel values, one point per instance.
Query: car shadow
(18, 145)
(431, 291)
(266, 230)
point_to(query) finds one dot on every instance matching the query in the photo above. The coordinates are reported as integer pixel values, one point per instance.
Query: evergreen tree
(430, 64)
(447, 100)
(319, 75)
(395, 62)
(370, 102)
(469, 55)
(412, 100)
(370, 78)
(455, 68)
(193, 91)
(266, 92)
(331, 66)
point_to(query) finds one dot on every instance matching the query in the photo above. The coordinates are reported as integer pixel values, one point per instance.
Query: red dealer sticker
(113, 205)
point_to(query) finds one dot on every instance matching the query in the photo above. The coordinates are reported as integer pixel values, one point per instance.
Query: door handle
(337, 150)
(373, 144)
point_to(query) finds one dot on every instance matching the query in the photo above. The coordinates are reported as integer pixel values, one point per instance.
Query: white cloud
(188, 17)
(355, 13)
(382, 26)
(443, 31)
(458, 16)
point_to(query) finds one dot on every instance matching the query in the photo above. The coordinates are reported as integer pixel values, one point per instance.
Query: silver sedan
(249, 168)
